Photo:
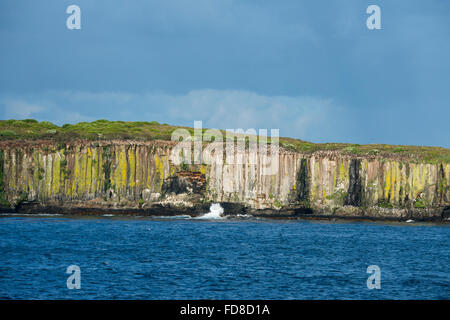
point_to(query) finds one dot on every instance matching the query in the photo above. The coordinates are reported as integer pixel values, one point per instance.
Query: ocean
(132, 257)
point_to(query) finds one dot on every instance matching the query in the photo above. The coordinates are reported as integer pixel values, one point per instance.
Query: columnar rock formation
(133, 176)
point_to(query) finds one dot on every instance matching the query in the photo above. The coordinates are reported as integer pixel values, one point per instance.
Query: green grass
(100, 129)
(277, 203)
(420, 204)
(407, 153)
(30, 129)
(383, 203)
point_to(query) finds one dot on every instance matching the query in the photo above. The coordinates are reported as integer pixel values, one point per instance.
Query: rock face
(353, 197)
(129, 176)
(184, 182)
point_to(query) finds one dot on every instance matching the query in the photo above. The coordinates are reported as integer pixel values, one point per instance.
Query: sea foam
(215, 212)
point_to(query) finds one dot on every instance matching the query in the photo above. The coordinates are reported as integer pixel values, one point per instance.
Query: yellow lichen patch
(123, 168)
(418, 184)
(76, 173)
(41, 177)
(82, 175)
(312, 165)
(56, 185)
(416, 181)
(100, 172)
(94, 166)
(398, 179)
(132, 165)
(342, 174)
(120, 169)
(159, 166)
(88, 171)
(403, 182)
(48, 175)
(387, 181)
(393, 182)
(114, 166)
(422, 175)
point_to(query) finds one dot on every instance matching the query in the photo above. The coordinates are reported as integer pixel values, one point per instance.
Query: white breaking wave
(246, 216)
(31, 214)
(215, 212)
(181, 216)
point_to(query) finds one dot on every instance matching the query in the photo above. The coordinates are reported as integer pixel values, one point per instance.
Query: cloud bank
(309, 118)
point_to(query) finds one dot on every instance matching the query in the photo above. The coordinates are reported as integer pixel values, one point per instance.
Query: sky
(311, 69)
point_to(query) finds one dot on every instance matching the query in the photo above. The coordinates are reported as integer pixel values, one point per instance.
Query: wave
(215, 212)
(31, 214)
(245, 216)
(181, 216)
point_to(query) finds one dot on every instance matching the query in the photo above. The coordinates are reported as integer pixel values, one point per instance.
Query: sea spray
(215, 212)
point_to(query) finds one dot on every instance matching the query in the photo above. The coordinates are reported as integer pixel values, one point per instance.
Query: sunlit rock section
(132, 176)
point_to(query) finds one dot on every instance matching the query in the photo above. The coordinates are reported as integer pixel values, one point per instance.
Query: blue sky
(310, 68)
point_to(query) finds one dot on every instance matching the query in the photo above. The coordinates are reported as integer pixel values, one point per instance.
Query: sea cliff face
(142, 177)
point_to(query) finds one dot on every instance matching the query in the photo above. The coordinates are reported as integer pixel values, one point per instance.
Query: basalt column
(303, 182)
(354, 194)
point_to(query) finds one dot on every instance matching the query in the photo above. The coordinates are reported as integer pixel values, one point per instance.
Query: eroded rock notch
(184, 182)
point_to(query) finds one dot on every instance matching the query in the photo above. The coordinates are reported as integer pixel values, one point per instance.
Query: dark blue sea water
(143, 258)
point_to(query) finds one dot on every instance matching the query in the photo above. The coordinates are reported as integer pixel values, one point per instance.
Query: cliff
(141, 177)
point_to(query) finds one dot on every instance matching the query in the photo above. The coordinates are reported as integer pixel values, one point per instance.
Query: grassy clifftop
(30, 129)
(100, 129)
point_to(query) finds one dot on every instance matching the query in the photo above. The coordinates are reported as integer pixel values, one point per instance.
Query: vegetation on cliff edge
(30, 129)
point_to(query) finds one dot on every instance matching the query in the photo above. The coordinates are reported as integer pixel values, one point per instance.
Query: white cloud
(310, 118)
(41, 109)
(21, 109)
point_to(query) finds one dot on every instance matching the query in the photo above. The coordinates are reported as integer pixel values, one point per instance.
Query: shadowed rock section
(353, 197)
(302, 182)
(184, 182)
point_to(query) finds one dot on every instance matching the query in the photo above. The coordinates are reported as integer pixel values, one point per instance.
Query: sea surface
(220, 258)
